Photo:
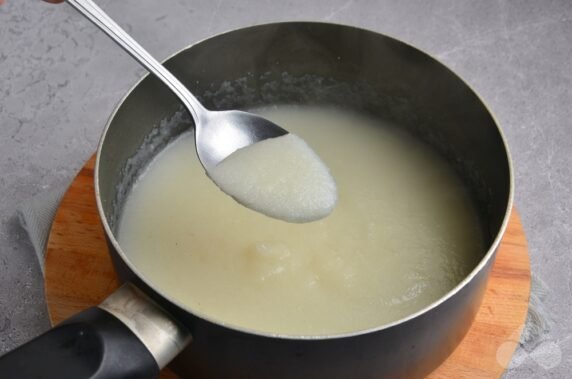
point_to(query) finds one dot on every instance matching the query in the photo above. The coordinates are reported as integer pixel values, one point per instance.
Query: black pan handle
(127, 336)
(92, 344)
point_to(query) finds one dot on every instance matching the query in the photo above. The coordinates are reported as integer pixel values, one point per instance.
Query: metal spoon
(217, 133)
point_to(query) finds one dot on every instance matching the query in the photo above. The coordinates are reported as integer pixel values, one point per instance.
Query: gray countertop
(60, 79)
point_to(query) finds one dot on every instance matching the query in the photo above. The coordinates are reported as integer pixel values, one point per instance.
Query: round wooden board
(79, 274)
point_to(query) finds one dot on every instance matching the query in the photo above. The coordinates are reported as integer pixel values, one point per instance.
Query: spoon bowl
(219, 134)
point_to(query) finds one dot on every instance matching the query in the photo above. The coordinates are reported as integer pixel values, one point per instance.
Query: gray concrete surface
(60, 79)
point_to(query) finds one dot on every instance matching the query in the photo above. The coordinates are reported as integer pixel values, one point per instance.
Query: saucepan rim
(476, 270)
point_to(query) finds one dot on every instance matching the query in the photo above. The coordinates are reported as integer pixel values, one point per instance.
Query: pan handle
(126, 336)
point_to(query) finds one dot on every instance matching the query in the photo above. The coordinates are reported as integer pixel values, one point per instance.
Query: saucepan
(140, 328)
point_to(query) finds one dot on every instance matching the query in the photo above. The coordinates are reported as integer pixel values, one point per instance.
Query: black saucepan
(140, 328)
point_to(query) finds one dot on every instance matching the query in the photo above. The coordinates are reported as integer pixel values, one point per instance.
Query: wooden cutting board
(79, 274)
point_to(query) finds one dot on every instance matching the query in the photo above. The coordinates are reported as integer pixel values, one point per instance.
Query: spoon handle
(96, 15)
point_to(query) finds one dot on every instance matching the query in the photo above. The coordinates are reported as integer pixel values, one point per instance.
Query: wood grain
(79, 274)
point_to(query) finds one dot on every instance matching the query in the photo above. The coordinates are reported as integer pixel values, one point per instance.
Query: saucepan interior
(312, 63)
